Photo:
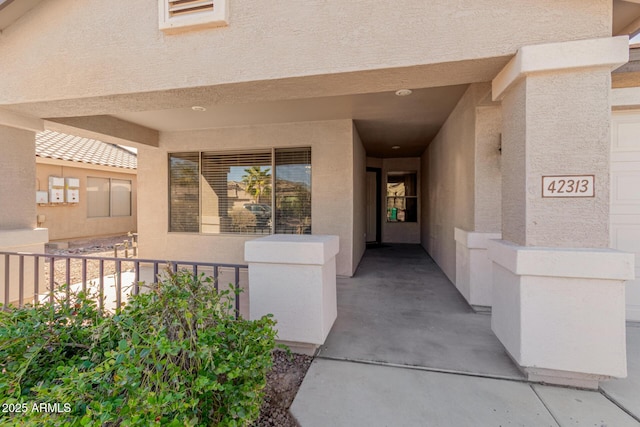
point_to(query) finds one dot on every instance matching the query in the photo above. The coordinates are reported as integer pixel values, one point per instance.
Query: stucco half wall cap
(583, 263)
(610, 52)
(474, 239)
(292, 249)
(26, 237)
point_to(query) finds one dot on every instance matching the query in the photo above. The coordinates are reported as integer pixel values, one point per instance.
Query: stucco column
(293, 278)
(18, 169)
(557, 309)
(18, 230)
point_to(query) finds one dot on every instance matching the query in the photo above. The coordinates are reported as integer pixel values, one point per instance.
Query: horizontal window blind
(236, 192)
(120, 197)
(98, 197)
(233, 192)
(293, 191)
(184, 192)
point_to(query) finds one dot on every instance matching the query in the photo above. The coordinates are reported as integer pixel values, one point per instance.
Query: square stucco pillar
(561, 321)
(17, 200)
(293, 277)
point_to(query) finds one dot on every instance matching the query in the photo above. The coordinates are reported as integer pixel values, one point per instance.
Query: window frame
(110, 196)
(89, 201)
(272, 203)
(218, 16)
(416, 197)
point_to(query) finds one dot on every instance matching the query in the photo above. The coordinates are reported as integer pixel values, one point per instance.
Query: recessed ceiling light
(198, 108)
(395, 147)
(404, 92)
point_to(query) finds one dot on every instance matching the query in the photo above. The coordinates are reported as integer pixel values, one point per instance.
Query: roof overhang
(626, 18)
(12, 10)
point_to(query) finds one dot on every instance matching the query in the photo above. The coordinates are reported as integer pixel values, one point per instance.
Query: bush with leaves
(174, 355)
(34, 340)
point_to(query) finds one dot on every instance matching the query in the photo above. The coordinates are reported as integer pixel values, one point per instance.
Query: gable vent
(182, 7)
(182, 15)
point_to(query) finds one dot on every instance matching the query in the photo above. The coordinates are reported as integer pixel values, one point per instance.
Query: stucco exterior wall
(514, 164)
(17, 207)
(332, 165)
(267, 42)
(359, 199)
(68, 221)
(488, 177)
(450, 165)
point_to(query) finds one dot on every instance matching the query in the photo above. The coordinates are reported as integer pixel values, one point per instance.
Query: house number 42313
(568, 186)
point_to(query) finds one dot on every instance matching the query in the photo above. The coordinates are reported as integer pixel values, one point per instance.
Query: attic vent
(181, 15)
(182, 7)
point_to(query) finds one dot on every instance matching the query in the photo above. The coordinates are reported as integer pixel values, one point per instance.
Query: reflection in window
(293, 191)
(402, 197)
(236, 192)
(233, 192)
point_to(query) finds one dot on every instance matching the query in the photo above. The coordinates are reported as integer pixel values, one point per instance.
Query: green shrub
(36, 340)
(174, 355)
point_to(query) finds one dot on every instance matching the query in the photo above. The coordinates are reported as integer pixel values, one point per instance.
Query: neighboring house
(480, 130)
(86, 187)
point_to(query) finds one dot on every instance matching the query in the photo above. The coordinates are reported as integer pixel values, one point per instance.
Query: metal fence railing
(28, 278)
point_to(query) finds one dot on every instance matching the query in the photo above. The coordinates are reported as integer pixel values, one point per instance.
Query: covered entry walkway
(406, 350)
(401, 309)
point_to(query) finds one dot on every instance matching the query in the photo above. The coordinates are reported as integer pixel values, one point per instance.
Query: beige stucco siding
(449, 162)
(68, 221)
(332, 154)
(67, 45)
(359, 199)
(17, 207)
(488, 178)
(514, 163)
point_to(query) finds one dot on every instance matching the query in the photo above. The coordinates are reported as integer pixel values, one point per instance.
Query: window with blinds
(108, 197)
(248, 192)
(120, 197)
(293, 191)
(184, 192)
(98, 197)
(236, 192)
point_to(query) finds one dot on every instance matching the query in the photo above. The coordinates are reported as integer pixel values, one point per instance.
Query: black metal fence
(33, 278)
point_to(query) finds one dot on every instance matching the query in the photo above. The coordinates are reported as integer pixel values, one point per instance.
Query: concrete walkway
(401, 309)
(406, 350)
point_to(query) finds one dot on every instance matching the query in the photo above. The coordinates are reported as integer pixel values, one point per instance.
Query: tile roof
(61, 146)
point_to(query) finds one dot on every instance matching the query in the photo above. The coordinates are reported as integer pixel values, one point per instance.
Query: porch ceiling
(382, 119)
(368, 97)
(626, 17)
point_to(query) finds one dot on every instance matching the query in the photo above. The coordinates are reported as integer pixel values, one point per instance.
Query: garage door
(625, 196)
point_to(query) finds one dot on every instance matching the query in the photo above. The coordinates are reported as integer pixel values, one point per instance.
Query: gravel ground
(284, 379)
(283, 382)
(100, 247)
